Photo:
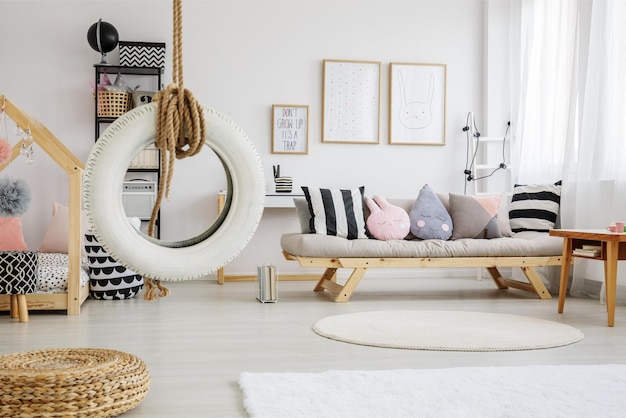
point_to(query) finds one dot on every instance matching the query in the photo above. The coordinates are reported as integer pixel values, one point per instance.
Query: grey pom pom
(15, 197)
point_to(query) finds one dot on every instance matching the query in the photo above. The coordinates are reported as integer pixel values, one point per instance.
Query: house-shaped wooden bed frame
(76, 294)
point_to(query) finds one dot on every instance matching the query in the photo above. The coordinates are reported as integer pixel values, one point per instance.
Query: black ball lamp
(102, 37)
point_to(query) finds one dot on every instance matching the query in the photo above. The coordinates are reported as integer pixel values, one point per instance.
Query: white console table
(272, 201)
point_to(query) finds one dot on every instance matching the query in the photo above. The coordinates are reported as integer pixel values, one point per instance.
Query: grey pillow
(475, 216)
(304, 215)
(429, 217)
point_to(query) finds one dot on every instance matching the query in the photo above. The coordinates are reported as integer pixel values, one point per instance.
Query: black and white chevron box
(142, 54)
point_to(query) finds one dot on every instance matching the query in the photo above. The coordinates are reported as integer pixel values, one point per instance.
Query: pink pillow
(386, 221)
(11, 236)
(57, 235)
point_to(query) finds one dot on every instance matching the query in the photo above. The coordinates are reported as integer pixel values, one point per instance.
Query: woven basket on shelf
(148, 158)
(71, 382)
(113, 103)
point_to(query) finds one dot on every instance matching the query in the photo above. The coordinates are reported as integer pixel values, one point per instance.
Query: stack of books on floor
(266, 276)
(588, 251)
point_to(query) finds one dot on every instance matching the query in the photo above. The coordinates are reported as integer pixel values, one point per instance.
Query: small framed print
(417, 104)
(351, 102)
(290, 129)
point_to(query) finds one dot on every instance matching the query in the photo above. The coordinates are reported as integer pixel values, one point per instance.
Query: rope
(180, 130)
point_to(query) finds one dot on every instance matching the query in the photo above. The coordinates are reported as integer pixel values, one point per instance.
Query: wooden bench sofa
(526, 250)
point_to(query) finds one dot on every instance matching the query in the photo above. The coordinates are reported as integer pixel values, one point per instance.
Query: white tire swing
(173, 260)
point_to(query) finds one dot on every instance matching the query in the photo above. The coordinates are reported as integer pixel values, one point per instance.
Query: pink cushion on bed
(11, 235)
(56, 239)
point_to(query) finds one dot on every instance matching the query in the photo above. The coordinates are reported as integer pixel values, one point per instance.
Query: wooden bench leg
(497, 278)
(536, 282)
(351, 284)
(534, 285)
(342, 293)
(330, 275)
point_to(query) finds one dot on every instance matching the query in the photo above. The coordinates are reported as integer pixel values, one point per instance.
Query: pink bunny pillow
(386, 221)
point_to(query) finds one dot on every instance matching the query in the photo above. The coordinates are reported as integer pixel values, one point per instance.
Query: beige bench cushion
(524, 244)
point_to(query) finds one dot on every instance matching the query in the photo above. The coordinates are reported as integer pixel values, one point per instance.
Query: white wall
(241, 57)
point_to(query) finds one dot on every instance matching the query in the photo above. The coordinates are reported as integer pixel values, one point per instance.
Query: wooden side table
(613, 248)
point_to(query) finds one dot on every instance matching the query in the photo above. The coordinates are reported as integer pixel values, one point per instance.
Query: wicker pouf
(71, 382)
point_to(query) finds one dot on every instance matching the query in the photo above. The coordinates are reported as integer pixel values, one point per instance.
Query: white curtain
(569, 112)
(594, 187)
(544, 45)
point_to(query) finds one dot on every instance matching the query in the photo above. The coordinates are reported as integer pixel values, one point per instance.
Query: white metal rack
(491, 159)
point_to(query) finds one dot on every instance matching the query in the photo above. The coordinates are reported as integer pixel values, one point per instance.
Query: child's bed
(52, 284)
(69, 289)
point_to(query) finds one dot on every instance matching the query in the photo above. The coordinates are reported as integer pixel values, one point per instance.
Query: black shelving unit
(112, 71)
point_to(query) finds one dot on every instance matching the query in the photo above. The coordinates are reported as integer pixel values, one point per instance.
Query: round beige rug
(447, 330)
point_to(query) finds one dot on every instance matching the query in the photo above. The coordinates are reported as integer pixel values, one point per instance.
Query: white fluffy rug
(447, 330)
(524, 391)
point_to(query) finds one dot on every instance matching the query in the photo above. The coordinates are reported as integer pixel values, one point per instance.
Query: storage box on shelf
(142, 54)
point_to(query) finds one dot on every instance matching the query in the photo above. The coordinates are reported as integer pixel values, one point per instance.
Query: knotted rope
(180, 130)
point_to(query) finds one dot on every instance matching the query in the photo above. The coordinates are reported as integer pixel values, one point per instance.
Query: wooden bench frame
(359, 266)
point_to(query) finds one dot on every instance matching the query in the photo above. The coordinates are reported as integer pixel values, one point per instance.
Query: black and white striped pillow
(535, 207)
(336, 212)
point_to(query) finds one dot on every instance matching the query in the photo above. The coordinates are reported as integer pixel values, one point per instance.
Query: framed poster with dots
(351, 102)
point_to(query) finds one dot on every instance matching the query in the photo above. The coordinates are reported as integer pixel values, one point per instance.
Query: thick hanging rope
(180, 130)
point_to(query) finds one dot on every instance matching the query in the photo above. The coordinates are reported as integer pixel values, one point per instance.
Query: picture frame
(417, 104)
(351, 101)
(290, 129)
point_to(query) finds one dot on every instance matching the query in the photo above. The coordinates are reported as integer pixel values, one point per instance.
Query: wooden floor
(197, 340)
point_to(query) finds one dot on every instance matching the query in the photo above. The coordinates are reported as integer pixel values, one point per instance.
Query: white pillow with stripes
(535, 207)
(336, 212)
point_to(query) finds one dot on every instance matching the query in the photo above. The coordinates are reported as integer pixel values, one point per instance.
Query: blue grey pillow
(429, 217)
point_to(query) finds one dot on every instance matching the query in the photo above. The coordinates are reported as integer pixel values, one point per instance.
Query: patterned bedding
(52, 272)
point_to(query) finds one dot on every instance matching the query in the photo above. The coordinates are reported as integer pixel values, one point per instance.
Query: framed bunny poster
(417, 104)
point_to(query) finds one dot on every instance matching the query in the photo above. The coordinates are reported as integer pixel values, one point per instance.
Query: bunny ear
(401, 83)
(381, 201)
(431, 88)
(371, 204)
